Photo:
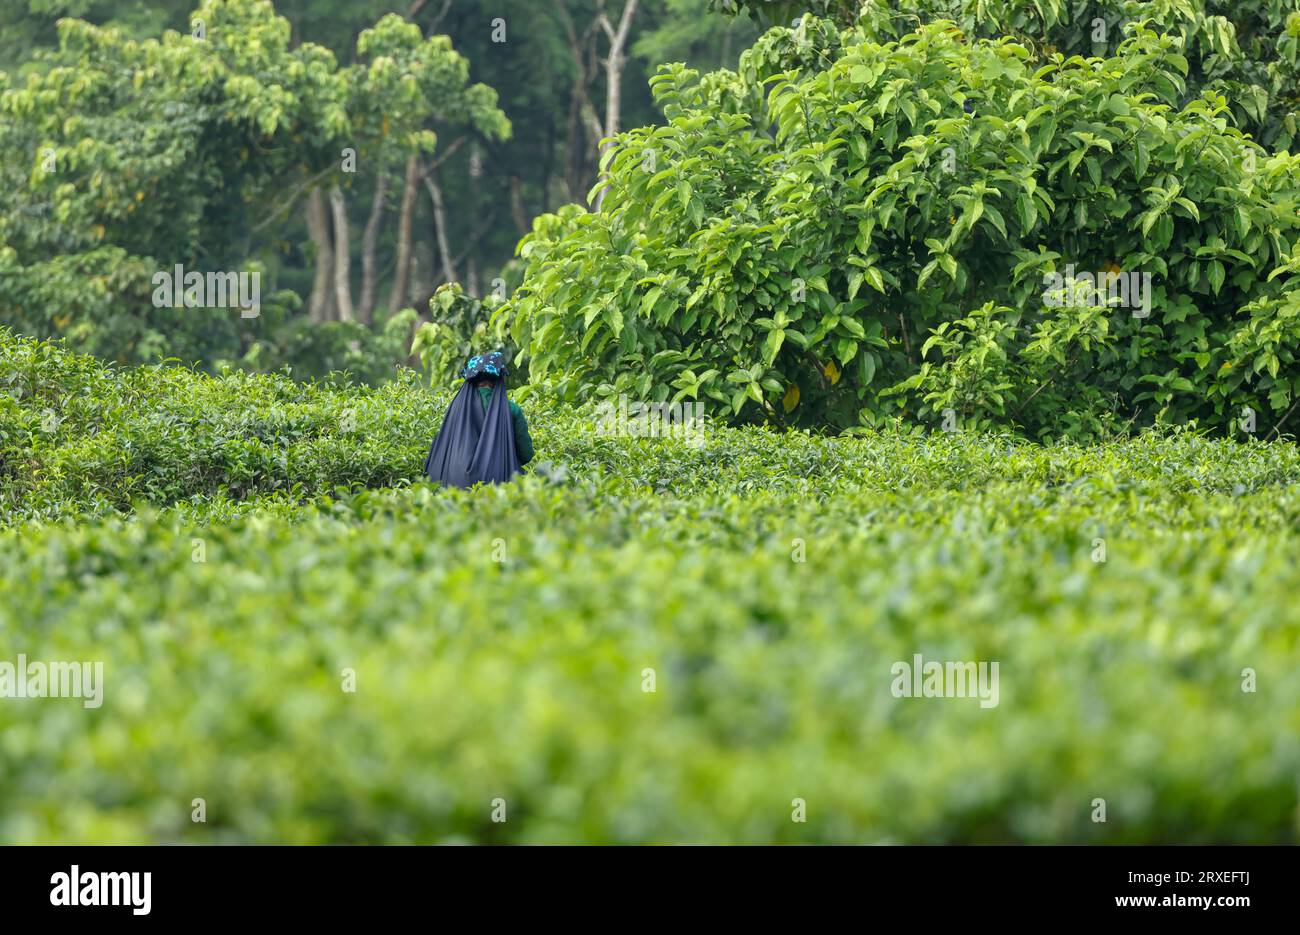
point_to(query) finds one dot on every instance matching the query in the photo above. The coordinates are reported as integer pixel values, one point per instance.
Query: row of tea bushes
(641, 640)
(502, 641)
(79, 437)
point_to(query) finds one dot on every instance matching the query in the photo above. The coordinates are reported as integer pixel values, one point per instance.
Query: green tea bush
(77, 435)
(502, 639)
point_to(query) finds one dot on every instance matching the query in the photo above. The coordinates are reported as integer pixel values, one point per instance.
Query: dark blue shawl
(474, 446)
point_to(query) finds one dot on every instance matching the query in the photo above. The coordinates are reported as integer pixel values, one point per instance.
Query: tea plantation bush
(77, 435)
(501, 638)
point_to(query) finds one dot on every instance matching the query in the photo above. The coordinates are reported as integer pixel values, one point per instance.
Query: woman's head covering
(475, 445)
(492, 365)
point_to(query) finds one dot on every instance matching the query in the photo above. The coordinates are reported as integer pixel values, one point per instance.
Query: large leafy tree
(29, 25)
(124, 157)
(855, 228)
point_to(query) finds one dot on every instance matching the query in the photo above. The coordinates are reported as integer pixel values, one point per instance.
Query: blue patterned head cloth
(493, 365)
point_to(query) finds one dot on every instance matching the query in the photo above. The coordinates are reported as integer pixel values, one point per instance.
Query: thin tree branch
(446, 154)
(292, 200)
(440, 223)
(441, 13)
(1284, 418)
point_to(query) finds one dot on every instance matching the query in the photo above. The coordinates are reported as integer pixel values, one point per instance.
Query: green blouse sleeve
(523, 441)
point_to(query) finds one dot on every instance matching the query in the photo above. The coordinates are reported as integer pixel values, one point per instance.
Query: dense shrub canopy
(1244, 49)
(851, 230)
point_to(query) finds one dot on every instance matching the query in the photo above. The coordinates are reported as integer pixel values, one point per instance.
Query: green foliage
(79, 436)
(785, 12)
(27, 26)
(125, 157)
(461, 327)
(1245, 50)
(222, 193)
(807, 239)
(518, 674)
(309, 350)
(684, 32)
(408, 81)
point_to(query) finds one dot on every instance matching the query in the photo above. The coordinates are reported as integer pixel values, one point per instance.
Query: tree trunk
(342, 255)
(402, 273)
(476, 173)
(517, 206)
(423, 275)
(548, 165)
(369, 245)
(614, 78)
(440, 228)
(320, 307)
(575, 153)
(572, 137)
